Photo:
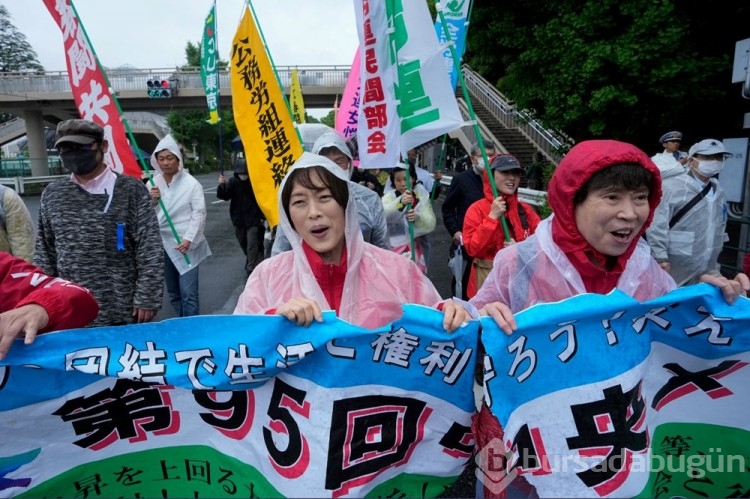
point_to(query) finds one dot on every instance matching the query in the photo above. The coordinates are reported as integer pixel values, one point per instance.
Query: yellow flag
(262, 117)
(295, 98)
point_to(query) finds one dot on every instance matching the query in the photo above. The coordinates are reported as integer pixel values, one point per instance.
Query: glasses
(71, 146)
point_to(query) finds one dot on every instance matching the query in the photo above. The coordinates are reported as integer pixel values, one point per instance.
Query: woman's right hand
(407, 198)
(498, 208)
(411, 215)
(502, 314)
(301, 310)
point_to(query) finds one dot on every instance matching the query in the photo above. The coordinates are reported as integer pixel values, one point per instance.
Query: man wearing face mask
(98, 228)
(465, 189)
(369, 207)
(689, 226)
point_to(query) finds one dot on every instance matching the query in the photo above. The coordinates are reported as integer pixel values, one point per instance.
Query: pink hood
(377, 281)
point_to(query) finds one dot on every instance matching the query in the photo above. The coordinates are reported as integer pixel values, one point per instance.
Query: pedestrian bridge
(51, 93)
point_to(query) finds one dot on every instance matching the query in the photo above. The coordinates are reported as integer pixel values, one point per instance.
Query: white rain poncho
(693, 245)
(377, 281)
(186, 206)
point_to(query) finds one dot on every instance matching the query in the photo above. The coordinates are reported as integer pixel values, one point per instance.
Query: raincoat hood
(373, 288)
(576, 168)
(167, 143)
(352, 233)
(332, 139)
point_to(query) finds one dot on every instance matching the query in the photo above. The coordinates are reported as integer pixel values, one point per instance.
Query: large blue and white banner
(239, 406)
(604, 396)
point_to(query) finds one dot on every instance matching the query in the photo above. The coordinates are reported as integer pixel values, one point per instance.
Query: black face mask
(80, 161)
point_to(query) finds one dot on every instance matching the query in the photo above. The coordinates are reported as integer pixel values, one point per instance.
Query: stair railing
(505, 111)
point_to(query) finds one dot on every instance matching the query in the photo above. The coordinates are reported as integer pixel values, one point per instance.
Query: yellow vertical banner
(295, 98)
(262, 117)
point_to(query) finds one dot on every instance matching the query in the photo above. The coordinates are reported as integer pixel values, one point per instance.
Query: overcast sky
(153, 33)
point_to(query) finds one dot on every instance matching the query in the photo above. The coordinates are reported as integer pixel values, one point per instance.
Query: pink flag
(90, 90)
(348, 114)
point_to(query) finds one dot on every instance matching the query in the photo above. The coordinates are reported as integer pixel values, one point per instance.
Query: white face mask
(480, 164)
(709, 168)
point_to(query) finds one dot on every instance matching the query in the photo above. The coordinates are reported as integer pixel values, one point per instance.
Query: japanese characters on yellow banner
(262, 117)
(295, 98)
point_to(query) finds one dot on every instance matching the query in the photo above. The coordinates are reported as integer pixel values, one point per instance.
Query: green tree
(624, 69)
(189, 126)
(193, 57)
(329, 119)
(16, 54)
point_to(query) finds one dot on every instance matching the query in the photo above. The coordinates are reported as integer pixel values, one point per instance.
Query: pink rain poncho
(377, 281)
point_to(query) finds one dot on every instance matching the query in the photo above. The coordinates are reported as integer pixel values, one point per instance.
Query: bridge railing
(136, 79)
(504, 110)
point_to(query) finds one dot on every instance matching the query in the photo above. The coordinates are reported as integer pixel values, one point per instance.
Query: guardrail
(19, 183)
(136, 79)
(504, 110)
(530, 196)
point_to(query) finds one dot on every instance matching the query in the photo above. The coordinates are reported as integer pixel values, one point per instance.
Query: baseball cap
(708, 147)
(505, 163)
(78, 132)
(671, 136)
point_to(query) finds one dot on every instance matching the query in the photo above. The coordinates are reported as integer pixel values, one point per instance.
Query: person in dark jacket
(464, 190)
(244, 213)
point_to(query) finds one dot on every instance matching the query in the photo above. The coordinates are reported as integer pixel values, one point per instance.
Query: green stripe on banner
(699, 460)
(187, 471)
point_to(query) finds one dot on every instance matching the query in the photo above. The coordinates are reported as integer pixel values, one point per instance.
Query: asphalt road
(222, 275)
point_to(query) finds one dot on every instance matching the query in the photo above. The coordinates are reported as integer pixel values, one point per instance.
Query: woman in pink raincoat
(330, 266)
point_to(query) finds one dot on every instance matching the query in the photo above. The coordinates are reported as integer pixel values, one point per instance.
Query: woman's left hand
(454, 314)
(411, 215)
(730, 289)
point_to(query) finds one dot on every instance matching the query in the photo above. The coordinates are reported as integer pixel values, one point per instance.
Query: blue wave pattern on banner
(239, 352)
(591, 338)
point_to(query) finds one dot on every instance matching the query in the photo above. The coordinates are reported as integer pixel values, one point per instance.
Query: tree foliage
(624, 69)
(189, 126)
(16, 54)
(329, 119)
(193, 57)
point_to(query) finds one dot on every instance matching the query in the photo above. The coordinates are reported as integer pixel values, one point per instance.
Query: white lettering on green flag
(210, 66)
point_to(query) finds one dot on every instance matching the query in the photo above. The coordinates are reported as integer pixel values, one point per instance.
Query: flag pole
(409, 207)
(218, 93)
(249, 3)
(472, 114)
(141, 161)
(436, 185)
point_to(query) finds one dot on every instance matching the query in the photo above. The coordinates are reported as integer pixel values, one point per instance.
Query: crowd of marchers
(357, 242)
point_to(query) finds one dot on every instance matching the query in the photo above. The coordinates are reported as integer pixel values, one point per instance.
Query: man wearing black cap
(98, 228)
(671, 157)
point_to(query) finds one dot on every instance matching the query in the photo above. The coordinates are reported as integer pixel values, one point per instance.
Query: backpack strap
(683, 211)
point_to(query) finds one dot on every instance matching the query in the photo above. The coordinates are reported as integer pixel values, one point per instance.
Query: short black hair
(619, 177)
(412, 174)
(310, 178)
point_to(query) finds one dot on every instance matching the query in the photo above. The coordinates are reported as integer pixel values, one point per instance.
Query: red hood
(576, 168)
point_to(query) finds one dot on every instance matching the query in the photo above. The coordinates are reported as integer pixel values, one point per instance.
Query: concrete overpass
(47, 98)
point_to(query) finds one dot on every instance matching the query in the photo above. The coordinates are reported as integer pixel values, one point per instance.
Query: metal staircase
(512, 129)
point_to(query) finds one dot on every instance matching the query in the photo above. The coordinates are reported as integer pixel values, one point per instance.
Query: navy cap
(670, 136)
(505, 163)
